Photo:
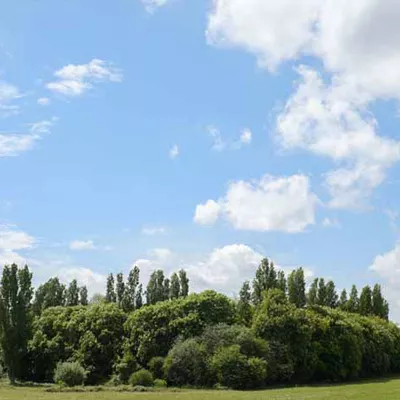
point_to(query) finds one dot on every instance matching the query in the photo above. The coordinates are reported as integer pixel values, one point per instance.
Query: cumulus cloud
(13, 144)
(358, 45)
(12, 241)
(79, 245)
(270, 204)
(75, 79)
(223, 269)
(95, 282)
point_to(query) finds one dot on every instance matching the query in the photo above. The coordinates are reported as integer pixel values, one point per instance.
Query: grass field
(388, 389)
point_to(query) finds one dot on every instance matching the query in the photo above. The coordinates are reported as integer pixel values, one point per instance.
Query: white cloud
(270, 204)
(223, 269)
(95, 282)
(153, 230)
(12, 241)
(174, 152)
(75, 79)
(152, 5)
(79, 245)
(43, 101)
(330, 223)
(12, 144)
(328, 121)
(208, 213)
(215, 134)
(246, 136)
(8, 93)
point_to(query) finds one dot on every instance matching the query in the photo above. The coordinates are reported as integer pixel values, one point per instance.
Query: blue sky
(200, 135)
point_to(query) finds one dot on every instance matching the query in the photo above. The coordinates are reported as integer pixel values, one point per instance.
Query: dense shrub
(236, 371)
(156, 367)
(69, 374)
(125, 367)
(186, 364)
(142, 377)
(152, 330)
(160, 383)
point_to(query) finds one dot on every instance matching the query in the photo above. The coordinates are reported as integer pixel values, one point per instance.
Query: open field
(388, 389)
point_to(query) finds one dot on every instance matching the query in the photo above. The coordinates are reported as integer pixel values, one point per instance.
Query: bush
(70, 374)
(186, 364)
(142, 377)
(257, 373)
(156, 365)
(160, 383)
(126, 367)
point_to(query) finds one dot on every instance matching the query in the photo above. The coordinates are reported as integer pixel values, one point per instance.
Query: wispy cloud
(221, 144)
(76, 79)
(153, 230)
(174, 152)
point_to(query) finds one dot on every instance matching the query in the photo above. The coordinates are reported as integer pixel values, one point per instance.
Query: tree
(167, 288)
(331, 295)
(15, 318)
(265, 279)
(73, 294)
(343, 300)
(244, 304)
(312, 296)
(111, 297)
(83, 296)
(175, 286)
(366, 301)
(379, 304)
(155, 291)
(184, 283)
(50, 294)
(120, 288)
(129, 301)
(139, 297)
(282, 284)
(321, 294)
(297, 288)
(353, 305)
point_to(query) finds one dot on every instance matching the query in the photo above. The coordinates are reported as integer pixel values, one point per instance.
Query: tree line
(277, 331)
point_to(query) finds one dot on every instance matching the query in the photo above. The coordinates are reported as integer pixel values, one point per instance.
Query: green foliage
(15, 319)
(73, 294)
(125, 367)
(186, 364)
(366, 301)
(142, 377)
(129, 300)
(160, 383)
(353, 305)
(175, 287)
(380, 306)
(235, 370)
(152, 330)
(155, 291)
(184, 283)
(120, 289)
(111, 296)
(50, 294)
(83, 296)
(266, 278)
(245, 310)
(69, 374)
(297, 288)
(156, 367)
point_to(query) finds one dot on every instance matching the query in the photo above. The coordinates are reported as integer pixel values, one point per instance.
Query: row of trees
(276, 332)
(321, 293)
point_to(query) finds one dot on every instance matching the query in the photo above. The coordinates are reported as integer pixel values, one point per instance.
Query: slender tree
(129, 301)
(312, 296)
(331, 295)
(73, 294)
(15, 318)
(297, 288)
(111, 297)
(281, 281)
(139, 297)
(184, 283)
(83, 296)
(245, 311)
(366, 301)
(353, 305)
(167, 288)
(343, 300)
(120, 288)
(266, 278)
(379, 304)
(321, 294)
(175, 286)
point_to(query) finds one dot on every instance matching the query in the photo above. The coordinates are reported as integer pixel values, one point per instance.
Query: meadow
(388, 389)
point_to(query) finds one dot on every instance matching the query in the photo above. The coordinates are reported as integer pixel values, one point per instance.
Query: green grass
(388, 389)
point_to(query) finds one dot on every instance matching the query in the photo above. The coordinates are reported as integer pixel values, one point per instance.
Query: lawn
(388, 389)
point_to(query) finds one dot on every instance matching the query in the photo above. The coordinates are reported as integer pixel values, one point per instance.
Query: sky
(202, 135)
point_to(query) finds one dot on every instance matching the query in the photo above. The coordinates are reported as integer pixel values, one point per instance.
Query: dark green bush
(70, 374)
(142, 377)
(156, 367)
(186, 364)
(160, 383)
